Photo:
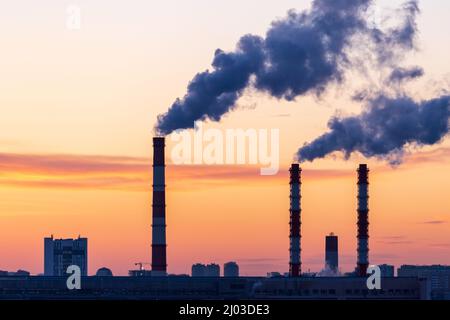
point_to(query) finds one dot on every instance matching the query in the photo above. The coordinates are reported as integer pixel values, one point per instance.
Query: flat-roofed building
(59, 254)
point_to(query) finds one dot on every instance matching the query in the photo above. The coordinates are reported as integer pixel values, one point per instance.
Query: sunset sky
(78, 108)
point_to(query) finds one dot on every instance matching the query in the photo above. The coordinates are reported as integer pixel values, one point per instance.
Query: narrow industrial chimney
(159, 263)
(294, 236)
(363, 220)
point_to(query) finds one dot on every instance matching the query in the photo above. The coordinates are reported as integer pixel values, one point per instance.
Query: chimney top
(295, 167)
(159, 141)
(363, 166)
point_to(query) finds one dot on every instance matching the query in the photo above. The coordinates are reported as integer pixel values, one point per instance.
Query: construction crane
(141, 265)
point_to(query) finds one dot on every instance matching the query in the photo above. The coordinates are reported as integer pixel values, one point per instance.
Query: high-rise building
(231, 269)
(59, 254)
(212, 270)
(198, 270)
(331, 253)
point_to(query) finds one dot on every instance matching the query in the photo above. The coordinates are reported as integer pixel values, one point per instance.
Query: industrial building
(59, 254)
(201, 270)
(182, 287)
(19, 272)
(363, 221)
(104, 272)
(438, 278)
(213, 270)
(387, 270)
(231, 269)
(295, 263)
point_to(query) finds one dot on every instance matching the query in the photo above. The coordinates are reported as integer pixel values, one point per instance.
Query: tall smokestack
(363, 220)
(159, 263)
(294, 236)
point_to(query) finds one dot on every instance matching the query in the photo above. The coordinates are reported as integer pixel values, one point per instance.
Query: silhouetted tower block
(332, 252)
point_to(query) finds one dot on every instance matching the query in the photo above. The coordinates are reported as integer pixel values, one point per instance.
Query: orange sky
(219, 213)
(77, 114)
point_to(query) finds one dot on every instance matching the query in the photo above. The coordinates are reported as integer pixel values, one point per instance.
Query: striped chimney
(159, 262)
(294, 236)
(363, 220)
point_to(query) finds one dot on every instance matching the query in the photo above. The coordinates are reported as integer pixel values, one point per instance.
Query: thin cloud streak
(54, 164)
(125, 173)
(65, 171)
(435, 222)
(439, 245)
(439, 155)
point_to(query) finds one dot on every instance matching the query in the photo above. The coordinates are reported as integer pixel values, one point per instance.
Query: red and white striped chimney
(159, 262)
(295, 210)
(363, 220)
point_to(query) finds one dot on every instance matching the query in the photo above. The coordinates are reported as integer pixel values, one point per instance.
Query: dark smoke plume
(300, 54)
(384, 129)
(398, 75)
(212, 94)
(391, 45)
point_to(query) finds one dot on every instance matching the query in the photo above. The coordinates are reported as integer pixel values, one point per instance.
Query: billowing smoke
(212, 94)
(402, 37)
(398, 75)
(384, 129)
(300, 54)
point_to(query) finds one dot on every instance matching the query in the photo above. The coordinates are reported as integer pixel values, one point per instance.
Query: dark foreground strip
(207, 309)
